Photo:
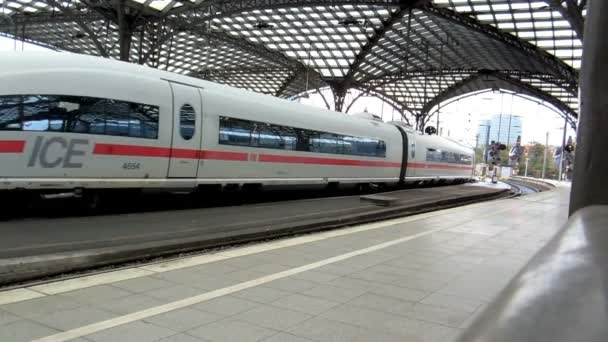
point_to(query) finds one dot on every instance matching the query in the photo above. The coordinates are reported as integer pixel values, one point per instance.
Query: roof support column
(339, 91)
(125, 30)
(591, 163)
(421, 119)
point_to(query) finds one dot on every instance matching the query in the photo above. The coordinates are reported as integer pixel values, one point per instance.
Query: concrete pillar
(590, 181)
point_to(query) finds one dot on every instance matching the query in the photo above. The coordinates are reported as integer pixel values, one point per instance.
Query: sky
(458, 120)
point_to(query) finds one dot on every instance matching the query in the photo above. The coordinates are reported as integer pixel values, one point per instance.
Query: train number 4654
(131, 166)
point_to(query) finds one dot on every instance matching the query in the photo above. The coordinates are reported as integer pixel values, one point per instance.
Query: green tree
(478, 155)
(535, 154)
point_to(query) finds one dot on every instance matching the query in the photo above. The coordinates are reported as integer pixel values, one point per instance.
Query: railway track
(523, 187)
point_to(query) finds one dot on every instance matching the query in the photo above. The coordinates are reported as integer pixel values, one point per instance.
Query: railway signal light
(495, 148)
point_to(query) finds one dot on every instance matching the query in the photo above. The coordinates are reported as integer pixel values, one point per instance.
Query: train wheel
(332, 188)
(363, 187)
(91, 200)
(18, 203)
(251, 192)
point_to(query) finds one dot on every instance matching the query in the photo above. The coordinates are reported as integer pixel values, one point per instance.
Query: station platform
(419, 278)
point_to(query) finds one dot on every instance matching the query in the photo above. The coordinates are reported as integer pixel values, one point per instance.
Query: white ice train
(72, 122)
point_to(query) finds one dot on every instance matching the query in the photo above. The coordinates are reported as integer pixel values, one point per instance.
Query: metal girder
(229, 7)
(572, 12)
(404, 8)
(559, 67)
(33, 42)
(45, 18)
(287, 82)
(83, 25)
(242, 44)
(395, 103)
(503, 78)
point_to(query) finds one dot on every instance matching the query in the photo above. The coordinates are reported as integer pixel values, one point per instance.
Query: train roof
(31, 61)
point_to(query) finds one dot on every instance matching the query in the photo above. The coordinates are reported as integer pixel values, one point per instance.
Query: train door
(412, 156)
(187, 131)
(408, 154)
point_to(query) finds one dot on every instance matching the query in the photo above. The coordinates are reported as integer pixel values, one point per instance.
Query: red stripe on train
(131, 150)
(272, 158)
(224, 155)
(438, 166)
(163, 152)
(12, 146)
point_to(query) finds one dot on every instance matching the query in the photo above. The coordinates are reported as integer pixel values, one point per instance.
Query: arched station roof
(412, 53)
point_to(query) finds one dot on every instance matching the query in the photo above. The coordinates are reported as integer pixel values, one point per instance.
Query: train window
(465, 160)
(239, 132)
(447, 157)
(78, 114)
(11, 109)
(187, 121)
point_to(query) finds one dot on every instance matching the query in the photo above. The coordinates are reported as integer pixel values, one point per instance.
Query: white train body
(77, 122)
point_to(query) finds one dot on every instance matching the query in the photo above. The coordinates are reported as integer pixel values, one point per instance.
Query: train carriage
(77, 122)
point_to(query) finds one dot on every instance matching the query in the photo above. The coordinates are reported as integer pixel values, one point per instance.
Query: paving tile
(305, 304)
(316, 276)
(136, 331)
(272, 317)
(211, 282)
(6, 317)
(418, 273)
(285, 337)
(333, 293)
(383, 322)
(183, 276)
(291, 284)
(130, 304)
(476, 314)
(417, 283)
(226, 305)
(215, 268)
(348, 282)
(441, 315)
(173, 293)
(336, 269)
(376, 277)
(249, 261)
(269, 268)
(181, 337)
(24, 330)
(453, 302)
(476, 287)
(390, 305)
(403, 293)
(261, 294)
(97, 294)
(183, 319)
(74, 318)
(231, 330)
(245, 275)
(452, 336)
(44, 306)
(142, 284)
(326, 330)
